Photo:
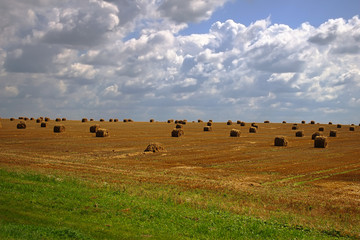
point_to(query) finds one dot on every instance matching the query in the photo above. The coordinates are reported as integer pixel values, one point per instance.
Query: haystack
(125, 120)
(333, 133)
(43, 124)
(338, 126)
(330, 123)
(295, 127)
(155, 147)
(47, 119)
(58, 119)
(102, 132)
(299, 133)
(111, 120)
(320, 142)
(91, 119)
(12, 119)
(229, 122)
(84, 120)
(321, 129)
(283, 121)
(94, 128)
(26, 119)
(102, 120)
(316, 134)
(200, 121)
(312, 122)
(59, 128)
(255, 125)
(352, 128)
(177, 132)
(116, 120)
(38, 120)
(235, 133)
(207, 129)
(303, 122)
(152, 120)
(179, 126)
(280, 141)
(32, 119)
(252, 130)
(209, 124)
(266, 121)
(170, 121)
(242, 124)
(63, 119)
(21, 125)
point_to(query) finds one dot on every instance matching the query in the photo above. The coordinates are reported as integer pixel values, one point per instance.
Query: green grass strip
(34, 206)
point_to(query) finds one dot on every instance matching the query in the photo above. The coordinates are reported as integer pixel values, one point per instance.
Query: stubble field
(298, 185)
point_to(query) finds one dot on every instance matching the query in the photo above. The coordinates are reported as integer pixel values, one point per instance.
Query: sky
(249, 60)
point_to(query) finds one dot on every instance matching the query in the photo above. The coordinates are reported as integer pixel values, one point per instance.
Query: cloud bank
(122, 58)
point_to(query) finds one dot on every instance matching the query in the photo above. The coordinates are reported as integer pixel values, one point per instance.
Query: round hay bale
(59, 128)
(229, 122)
(280, 141)
(32, 119)
(333, 133)
(26, 119)
(21, 125)
(320, 142)
(238, 122)
(111, 120)
(63, 119)
(21, 118)
(330, 123)
(152, 120)
(209, 124)
(102, 120)
(12, 119)
(43, 124)
(312, 122)
(303, 122)
(177, 132)
(316, 134)
(283, 121)
(235, 133)
(255, 125)
(295, 127)
(321, 129)
(116, 120)
(252, 130)
(102, 132)
(200, 121)
(38, 120)
(47, 119)
(352, 128)
(207, 129)
(210, 120)
(179, 126)
(130, 120)
(84, 120)
(266, 121)
(125, 120)
(299, 133)
(155, 147)
(338, 126)
(58, 119)
(242, 124)
(94, 128)
(170, 121)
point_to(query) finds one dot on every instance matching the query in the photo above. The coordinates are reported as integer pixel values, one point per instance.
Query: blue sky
(250, 60)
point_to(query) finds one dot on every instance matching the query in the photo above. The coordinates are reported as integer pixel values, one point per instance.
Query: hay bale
(235, 133)
(43, 124)
(330, 123)
(111, 120)
(242, 124)
(152, 120)
(47, 119)
(320, 142)
(177, 132)
(26, 119)
(252, 130)
(179, 126)
(321, 129)
(155, 147)
(59, 128)
(333, 133)
(295, 127)
(170, 121)
(299, 133)
(283, 121)
(102, 132)
(130, 120)
(207, 129)
(280, 141)
(38, 120)
(238, 122)
(352, 128)
(338, 126)
(84, 120)
(102, 120)
(255, 125)
(94, 128)
(303, 122)
(315, 134)
(58, 119)
(12, 119)
(32, 119)
(21, 125)
(210, 120)
(63, 119)
(21, 118)
(116, 120)
(312, 122)
(266, 121)
(229, 122)
(200, 121)
(209, 124)
(91, 119)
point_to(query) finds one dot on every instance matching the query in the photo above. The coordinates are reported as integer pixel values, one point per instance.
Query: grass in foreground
(34, 206)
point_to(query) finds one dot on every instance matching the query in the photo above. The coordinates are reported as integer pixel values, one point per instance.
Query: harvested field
(299, 184)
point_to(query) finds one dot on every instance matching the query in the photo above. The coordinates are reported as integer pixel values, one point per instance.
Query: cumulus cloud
(127, 57)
